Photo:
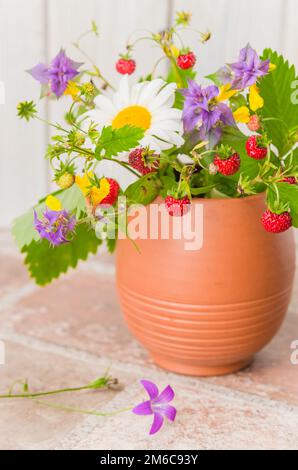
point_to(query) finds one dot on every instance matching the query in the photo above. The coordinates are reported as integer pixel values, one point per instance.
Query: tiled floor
(68, 333)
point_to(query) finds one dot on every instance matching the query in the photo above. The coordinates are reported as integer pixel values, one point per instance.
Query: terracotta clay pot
(207, 312)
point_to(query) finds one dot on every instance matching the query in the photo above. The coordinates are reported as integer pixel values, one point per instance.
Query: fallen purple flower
(158, 405)
(55, 226)
(57, 75)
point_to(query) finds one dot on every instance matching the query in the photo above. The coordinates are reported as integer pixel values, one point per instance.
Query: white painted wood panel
(22, 166)
(234, 23)
(34, 30)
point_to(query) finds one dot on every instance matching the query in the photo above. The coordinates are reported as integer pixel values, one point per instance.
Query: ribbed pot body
(208, 311)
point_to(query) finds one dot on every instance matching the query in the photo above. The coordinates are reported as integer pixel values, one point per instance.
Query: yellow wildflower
(225, 92)
(72, 89)
(175, 51)
(242, 114)
(98, 194)
(272, 67)
(95, 194)
(53, 203)
(84, 182)
(255, 99)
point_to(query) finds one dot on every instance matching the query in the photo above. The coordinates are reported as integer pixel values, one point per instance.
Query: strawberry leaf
(288, 193)
(45, 263)
(144, 190)
(237, 140)
(114, 141)
(277, 90)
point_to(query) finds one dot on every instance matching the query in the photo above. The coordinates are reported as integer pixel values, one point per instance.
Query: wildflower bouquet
(233, 138)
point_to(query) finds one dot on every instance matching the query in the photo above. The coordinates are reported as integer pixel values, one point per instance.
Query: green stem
(178, 78)
(156, 64)
(41, 394)
(101, 382)
(123, 164)
(97, 71)
(80, 410)
(74, 124)
(275, 119)
(60, 128)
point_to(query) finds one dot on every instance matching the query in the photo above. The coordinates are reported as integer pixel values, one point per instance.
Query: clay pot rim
(227, 200)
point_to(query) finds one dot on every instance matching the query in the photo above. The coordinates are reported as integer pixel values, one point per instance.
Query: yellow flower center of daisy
(137, 116)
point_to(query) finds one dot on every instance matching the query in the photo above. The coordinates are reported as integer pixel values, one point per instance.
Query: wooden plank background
(34, 30)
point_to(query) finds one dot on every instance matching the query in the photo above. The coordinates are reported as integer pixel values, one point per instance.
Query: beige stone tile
(24, 424)
(12, 274)
(80, 311)
(207, 418)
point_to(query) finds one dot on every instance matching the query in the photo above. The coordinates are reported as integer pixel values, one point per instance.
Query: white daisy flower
(147, 105)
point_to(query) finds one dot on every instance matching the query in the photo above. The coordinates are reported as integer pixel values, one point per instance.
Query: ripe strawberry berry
(177, 207)
(228, 166)
(253, 149)
(65, 181)
(290, 180)
(125, 66)
(254, 123)
(186, 61)
(141, 160)
(276, 223)
(111, 198)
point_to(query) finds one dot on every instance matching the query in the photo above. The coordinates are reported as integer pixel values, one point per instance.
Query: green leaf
(144, 190)
(276, 88)
(114, 141)
(72, 199)
(46, 263)
(168, 184)
(214, 78)
(180, 77)
(236, 139)
(216, 194)
(237, 101)
(202, 190)
(111, 244)
(23, 229)
(288, 193)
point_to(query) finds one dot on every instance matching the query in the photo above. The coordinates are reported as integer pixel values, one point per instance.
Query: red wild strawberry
(228, 166)
(253, 149)
(125, 66)
(186, 61)
(177, 207)
(111, 198)
(141, 160)
(276, 223)
(290, 180)
(254, 123)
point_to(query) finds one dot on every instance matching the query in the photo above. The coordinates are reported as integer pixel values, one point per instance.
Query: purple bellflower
(57, 75)
(202, 112)
(55, 226)
(158, 405)
(248, 68)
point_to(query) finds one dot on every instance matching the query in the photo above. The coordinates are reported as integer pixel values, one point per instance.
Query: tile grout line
(84, 356)
(12, 298)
